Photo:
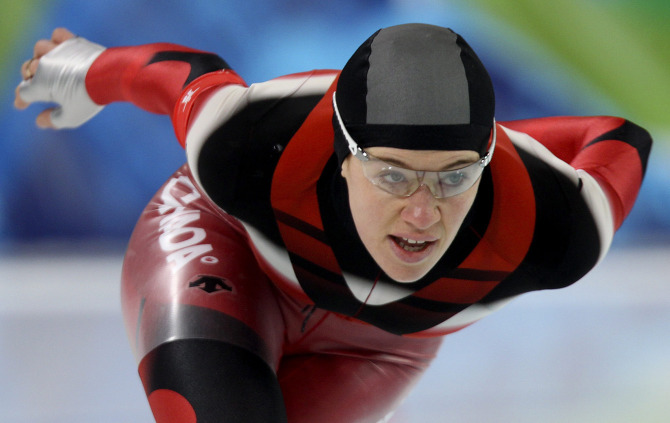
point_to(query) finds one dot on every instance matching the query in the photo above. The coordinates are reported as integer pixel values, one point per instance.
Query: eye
(452, 178)
(393, 177)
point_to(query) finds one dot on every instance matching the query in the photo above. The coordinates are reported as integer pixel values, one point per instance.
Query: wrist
(196, 94)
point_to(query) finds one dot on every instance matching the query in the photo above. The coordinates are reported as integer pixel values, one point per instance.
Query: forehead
(424, 159)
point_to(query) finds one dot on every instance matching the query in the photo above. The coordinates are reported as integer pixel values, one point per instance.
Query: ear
(345, 168)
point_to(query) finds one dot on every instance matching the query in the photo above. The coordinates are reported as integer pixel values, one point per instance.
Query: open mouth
(411, 245)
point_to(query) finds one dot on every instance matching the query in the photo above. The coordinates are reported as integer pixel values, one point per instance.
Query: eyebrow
(451, 166)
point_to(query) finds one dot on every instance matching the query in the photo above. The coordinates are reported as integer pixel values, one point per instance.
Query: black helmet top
(417, 87)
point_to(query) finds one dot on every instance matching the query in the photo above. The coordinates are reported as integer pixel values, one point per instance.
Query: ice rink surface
(598, 351)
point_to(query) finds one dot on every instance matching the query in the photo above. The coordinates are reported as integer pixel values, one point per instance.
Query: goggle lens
(404, 182)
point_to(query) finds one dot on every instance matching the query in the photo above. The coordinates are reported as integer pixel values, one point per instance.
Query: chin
(405, 275)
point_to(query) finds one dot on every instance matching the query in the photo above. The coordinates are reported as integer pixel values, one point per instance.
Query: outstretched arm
(612, 150)
(81, 77)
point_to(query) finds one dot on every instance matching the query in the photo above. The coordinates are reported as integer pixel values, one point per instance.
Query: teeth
(411, 245)
(413, 241)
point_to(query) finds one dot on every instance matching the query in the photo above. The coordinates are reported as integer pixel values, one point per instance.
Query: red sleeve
(153, 76)
(612, 150)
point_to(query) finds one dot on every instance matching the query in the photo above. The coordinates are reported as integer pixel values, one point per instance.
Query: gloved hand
(61, 65)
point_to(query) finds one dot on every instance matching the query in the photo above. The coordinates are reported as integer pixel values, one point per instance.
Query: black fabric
(480, 87)
(423, 137)
(352, 86)
(222, 382)
(565, 244)
(632, 135)
(201, 63)
(243, 153)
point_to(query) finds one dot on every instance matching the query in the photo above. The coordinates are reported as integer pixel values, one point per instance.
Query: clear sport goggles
(405, 182)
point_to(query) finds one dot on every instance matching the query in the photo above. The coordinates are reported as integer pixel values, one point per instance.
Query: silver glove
(60, 78)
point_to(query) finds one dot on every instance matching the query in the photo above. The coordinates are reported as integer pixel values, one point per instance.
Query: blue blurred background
(69, 200)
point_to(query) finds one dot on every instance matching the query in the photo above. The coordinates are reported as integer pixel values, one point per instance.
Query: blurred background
(595, 352)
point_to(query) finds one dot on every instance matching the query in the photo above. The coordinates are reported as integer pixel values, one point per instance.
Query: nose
(421, 209)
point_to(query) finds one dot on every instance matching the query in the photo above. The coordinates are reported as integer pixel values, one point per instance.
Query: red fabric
(314, 141)
(170, 407)
(323, 359)
(566, 137)
(605, 161)
(122, 74)
(614, 164)
(195, 94)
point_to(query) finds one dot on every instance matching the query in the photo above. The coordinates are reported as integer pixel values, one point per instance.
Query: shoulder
(238, 135)
(315, 82)
(279, 102)
(571, 221)
(558, 186)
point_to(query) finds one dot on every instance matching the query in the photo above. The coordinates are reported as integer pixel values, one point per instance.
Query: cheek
(367, 208)
(364, 206)
(462, 205)
(458, 207)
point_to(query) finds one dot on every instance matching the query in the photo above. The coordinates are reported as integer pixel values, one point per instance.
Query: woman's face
(407, 236)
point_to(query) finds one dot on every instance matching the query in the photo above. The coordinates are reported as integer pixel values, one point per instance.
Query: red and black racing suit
(247, 293)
